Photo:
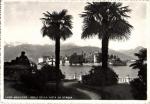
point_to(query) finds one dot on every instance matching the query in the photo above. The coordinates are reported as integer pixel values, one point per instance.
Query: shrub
(139, 85)
(39, 79)
(100, 77)
(34, 81)
(51, 73)
(138, 89)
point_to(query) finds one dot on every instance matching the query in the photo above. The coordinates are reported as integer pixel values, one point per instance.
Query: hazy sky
(22, 24)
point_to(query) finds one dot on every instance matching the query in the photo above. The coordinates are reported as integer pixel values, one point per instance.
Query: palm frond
(68, 21)
(63, 13)
(142, 54)
(44, 30)
(120, 30)
(52, 23)
(50, 31)
(139, 63)
(106, 19)
(46, 15)
(90, 28)
(65, 33)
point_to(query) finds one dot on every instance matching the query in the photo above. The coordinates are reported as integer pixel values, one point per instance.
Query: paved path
(9, 91)
(91, 94)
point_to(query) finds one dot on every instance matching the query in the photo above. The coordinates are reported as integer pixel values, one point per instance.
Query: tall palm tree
(107, 20)
(57, 25)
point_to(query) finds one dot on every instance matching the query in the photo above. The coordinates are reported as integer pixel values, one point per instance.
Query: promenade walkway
(91, 94)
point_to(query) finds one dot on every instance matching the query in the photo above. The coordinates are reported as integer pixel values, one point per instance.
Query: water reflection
(77, 70)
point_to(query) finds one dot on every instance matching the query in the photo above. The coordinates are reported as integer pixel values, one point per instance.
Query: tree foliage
(57, 25)
(139, 85)
(103, 17)
(141, 64)
(107, 20)
(97, 77)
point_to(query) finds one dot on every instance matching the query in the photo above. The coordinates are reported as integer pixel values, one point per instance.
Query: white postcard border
(30, 101)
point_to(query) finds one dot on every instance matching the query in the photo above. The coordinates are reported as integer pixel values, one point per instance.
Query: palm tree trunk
(57, 61)
(57, 53)
(105, 42)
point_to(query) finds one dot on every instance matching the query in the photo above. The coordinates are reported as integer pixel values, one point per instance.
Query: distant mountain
(132, 51)
(36, 51)
(32, 51)
(68, 46)
(79, 50)
(89, 49)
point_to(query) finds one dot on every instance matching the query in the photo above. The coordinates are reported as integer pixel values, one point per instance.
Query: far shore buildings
(45, 60)
(93, 57)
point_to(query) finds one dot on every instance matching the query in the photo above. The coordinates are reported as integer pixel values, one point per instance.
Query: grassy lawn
(47, 92)
(114, 92)
(120, 91)
(10, 91)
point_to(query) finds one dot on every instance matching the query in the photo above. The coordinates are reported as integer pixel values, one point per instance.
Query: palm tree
(139, 85)
(141, 64)
(107, 20)
(57, 26)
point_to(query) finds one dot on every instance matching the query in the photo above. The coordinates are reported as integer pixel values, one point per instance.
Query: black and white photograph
(85, 50)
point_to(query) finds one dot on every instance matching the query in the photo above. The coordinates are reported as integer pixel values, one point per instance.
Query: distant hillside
(36, 51)
(32, 51)
(132, 51)
(89, 49)
(79, 50)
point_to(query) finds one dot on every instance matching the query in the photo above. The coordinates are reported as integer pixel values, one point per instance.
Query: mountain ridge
(131, 52)
(36, 51)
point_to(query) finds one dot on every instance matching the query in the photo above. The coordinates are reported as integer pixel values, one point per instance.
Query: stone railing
(120, 79)
(125, 80)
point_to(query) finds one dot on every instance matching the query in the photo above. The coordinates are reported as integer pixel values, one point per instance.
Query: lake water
(77, 70)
